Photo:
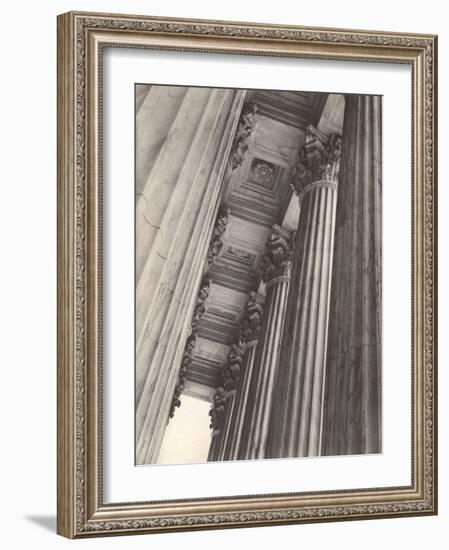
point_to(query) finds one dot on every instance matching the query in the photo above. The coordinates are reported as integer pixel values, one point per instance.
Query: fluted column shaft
(175, 214)
(261, 392)
(226, 439)
(295, 428)
(227, 414)
(236, 420)
(352, 419)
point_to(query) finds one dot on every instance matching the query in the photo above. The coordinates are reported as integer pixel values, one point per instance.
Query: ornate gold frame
(81, 37)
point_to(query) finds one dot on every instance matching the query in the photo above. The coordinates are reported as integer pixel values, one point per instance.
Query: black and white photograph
(258, 274)
(222, 317)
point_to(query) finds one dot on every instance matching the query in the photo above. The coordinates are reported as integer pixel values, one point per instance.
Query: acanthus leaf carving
(217, 411)
(277, 260)
(251, 321)
(185, 364)
(232, 367)
(318, 160)
(200, 306)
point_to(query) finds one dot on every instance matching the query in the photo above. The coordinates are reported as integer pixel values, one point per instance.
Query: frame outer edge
(161, 19)
(65, 524)
(435, 270)
(75, 503)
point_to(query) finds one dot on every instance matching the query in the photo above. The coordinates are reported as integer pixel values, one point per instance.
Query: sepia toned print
(85, 506)
(258, 274)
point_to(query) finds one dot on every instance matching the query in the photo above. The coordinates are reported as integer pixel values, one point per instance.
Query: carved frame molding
(81, 37)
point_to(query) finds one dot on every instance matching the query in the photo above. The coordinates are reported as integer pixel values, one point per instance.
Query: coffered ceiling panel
(259, 189)
(243, 246)
(224, 309)
(259, 196)
(297, 109)
(207, 364)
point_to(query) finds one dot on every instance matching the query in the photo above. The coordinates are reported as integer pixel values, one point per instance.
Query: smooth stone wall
(174, 219)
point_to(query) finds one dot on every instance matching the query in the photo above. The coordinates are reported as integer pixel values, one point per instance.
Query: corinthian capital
(318, 160)
(217, 410)
(251, 321)
(185, 364)
(276, 261)
(232, 368)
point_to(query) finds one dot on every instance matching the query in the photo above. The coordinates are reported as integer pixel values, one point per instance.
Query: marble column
(223, 401)
(250, 326)
(236, 421)
(259, 387)
(295, 428)
(179, 196)
(352, 412)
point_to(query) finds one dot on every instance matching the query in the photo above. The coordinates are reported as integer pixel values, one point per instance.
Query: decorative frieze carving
(216, 242)
(277, 260)
(245, 128)
(318, 160)
(187, 357)
(200, 307)
(185, 363)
